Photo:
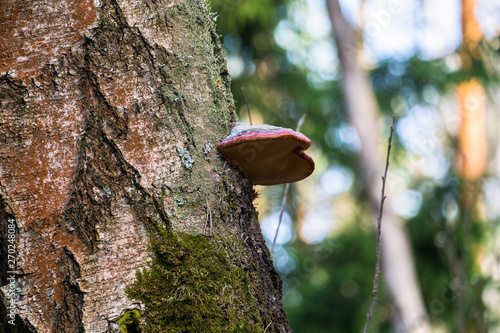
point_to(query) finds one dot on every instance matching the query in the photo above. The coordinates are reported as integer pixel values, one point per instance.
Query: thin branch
(287, 188)
(248, 108)
(299, 123)
(283, 204)
(379, 233)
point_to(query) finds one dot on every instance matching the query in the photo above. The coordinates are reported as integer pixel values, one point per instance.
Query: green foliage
(445, 245)
(241, 15)
(129, 322)
(444, 253)
(194, 285)
(334, 279)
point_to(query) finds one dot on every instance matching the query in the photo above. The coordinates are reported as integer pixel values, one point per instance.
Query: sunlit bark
(471, 34)
(472, 154)
(471, 157)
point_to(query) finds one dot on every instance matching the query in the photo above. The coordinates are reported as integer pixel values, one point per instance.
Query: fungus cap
(268, 155)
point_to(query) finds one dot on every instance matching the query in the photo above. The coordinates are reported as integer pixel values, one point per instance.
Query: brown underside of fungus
(268, 155)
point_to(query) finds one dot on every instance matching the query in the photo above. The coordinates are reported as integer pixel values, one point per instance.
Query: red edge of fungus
(254, 136)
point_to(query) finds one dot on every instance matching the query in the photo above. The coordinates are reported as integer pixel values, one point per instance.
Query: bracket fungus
(268, 155)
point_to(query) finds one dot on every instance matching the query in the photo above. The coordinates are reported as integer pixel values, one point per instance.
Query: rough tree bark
(122, 209)
(398, 267)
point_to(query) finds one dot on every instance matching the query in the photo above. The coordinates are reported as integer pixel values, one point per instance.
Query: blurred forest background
(434, 65)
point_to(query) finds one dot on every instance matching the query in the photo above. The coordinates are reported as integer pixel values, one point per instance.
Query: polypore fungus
(268, 155)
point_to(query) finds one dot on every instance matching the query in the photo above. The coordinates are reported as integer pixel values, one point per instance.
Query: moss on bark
(195, 284)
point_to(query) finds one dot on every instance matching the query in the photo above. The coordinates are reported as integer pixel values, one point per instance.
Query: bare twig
(301, 120)
(246, 102)
(285, 194)
(379, 233)
(283, 204)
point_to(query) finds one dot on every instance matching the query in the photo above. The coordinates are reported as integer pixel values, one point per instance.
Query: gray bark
(398, 267)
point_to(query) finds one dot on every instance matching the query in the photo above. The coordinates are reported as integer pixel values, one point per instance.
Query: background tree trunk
(110, 118)
(398, 266)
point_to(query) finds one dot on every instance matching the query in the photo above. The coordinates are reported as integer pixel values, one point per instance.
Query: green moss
(129, 322)
(195, 285)
(229, 197)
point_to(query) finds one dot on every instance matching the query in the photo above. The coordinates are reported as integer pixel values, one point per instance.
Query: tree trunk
(399, 270)
(121, 212)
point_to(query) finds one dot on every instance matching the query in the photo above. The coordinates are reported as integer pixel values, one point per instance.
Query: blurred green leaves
(454, 225)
